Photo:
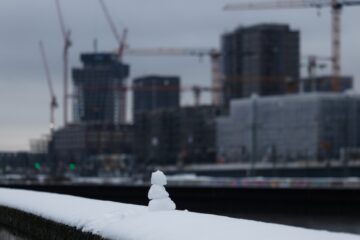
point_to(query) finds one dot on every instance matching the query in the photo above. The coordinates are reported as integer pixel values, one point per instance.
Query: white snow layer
(157, 192)
(131, 222)
(165, 204)
(158, 178)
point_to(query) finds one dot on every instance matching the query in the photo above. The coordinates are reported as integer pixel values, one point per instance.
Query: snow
(164, 204)
(158, 178)
(118, 221)
(158, 196)
(157, 192)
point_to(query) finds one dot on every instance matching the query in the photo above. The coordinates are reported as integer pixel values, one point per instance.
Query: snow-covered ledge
(112, 220)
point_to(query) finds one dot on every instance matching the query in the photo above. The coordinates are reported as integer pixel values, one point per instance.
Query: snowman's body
(159, 197)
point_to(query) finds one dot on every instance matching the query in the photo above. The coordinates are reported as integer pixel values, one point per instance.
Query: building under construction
(156, 92)
(176, 136)
(91, 146)
(324, 84)
(262, 59)
(24, 163)
(289, 128)
(99, 132)
(99, 89)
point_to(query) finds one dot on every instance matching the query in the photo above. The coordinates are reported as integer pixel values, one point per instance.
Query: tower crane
(214, 55)
(53, 101)
(313, 63)
(336, 7)
(66, 34)
(121, 41)
(197, 90)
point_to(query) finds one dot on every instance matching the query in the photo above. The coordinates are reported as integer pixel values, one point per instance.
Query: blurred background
(123, 87)
(220, 94)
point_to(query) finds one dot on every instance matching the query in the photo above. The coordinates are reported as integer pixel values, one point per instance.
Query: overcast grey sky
(24, 98)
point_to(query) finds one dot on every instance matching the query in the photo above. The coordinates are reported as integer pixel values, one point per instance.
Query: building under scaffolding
(289, 128)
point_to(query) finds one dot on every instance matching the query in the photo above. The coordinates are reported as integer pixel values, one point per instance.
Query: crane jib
(291, 4)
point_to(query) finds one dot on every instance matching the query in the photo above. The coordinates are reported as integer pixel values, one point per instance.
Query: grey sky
(24, 97)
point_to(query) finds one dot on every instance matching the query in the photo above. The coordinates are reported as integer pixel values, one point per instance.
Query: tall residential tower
(262, 59)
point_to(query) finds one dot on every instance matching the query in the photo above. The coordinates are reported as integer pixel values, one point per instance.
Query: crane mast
(313, 64)
(53, 101)
(336, 43)
(66, 34)
(336, 7)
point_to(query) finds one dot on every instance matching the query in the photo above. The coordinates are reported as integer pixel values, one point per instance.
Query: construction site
(263, 110)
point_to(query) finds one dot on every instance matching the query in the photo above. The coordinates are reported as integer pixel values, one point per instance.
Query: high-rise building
(99, 87)
(156, 92)
(262, 59)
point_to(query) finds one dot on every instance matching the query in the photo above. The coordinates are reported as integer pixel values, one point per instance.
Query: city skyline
(24, 95)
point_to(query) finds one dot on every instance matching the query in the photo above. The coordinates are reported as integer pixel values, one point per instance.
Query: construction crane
(195, 52)
(53, 101)
(312, 64)
(66, 34)
(336, 7)
(197, 91)
(121, 41)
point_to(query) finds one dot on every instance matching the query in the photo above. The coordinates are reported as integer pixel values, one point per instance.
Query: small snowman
(158, 196)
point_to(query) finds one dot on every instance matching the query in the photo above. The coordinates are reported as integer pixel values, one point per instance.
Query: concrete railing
(46, 216)
(30, 226)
